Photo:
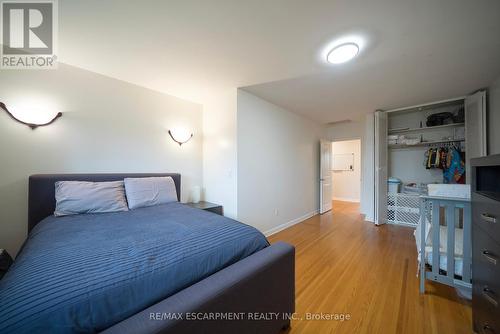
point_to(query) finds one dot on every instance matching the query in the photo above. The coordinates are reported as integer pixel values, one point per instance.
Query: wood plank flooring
(346, 265)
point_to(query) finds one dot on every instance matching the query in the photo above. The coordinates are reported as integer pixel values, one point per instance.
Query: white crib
(444, 244)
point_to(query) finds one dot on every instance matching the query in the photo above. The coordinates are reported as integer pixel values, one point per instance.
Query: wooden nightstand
(207, 206)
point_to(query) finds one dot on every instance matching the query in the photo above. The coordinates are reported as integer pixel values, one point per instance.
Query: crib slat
(450, 243)
(424, 204)
(466, 275)
(435, 237)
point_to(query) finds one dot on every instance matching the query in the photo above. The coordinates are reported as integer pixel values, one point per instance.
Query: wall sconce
(32, 120)
(180, 136)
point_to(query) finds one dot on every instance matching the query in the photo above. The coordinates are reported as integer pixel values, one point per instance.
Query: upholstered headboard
(41, 197)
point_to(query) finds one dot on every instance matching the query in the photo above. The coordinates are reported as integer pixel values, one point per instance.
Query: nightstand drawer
(486, 312)
(485, 325)
(485, 252)
(486, 282)
(486, 215)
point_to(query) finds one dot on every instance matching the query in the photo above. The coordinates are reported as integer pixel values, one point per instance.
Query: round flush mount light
(342, 53)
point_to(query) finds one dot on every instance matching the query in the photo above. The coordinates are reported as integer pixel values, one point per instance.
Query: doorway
(346, 170)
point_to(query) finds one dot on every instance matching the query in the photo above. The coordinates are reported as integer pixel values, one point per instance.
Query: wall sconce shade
(32, 125)
(180, 137)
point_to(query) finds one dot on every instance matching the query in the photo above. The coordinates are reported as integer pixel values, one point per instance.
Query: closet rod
(425, 143)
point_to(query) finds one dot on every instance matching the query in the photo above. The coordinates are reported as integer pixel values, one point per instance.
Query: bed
(159, 269)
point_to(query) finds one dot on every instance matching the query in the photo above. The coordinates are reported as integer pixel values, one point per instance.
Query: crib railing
(434, 209)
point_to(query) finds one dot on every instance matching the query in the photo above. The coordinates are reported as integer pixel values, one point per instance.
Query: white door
(475, 129)
(325, 181)
(380, 167)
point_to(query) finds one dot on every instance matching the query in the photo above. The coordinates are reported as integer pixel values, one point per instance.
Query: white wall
(362, 128)
(219, 150)
(107, 126)
(347, 184)
(278, 165)
(346, 130)
(408, 166)
(494, 118)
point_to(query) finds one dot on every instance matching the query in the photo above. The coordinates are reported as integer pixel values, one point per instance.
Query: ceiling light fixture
(342, 53)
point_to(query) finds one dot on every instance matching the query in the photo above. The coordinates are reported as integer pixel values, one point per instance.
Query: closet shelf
(425, 143)
(406, 130)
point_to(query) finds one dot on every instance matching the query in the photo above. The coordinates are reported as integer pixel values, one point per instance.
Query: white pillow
(149, 191)
(75, 197)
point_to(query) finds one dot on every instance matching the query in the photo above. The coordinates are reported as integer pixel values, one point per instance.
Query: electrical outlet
(276, 212)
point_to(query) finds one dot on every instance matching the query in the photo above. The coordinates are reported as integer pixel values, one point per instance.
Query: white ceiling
(415, 51)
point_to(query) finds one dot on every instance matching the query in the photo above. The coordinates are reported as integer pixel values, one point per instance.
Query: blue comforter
(85, 273)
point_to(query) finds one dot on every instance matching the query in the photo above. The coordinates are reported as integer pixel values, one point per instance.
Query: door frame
(361, 164)
(482, 112)
(380, 187)
(321, 177)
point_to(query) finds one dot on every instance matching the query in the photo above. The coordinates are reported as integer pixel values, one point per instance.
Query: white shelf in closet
(437, 127)
(426, 143)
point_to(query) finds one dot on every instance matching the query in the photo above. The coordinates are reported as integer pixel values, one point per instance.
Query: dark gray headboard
(41, 197)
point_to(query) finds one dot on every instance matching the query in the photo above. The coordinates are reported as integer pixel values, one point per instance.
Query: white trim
(369, 219)
(336, 140)
(426, 104)
(484, 124)
(290, 223)
(345, 199)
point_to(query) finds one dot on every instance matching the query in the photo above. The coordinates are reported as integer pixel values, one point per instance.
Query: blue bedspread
(85, 273)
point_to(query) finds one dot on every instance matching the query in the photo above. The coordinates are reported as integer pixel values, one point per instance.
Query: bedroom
(254, 84)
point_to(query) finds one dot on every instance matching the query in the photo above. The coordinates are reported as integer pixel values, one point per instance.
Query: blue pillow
(149, 191)
(76, 197)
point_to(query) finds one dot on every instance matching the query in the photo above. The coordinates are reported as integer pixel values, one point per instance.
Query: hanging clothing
(450, 160)
(437, 159)
(443, 159)
(455, 171)
(428, 159)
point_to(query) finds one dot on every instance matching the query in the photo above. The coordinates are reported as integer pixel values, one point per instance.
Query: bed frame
(430, 209)
(256, 294)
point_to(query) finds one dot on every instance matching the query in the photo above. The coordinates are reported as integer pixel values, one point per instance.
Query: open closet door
(380, 167)
(475, 129)
(325, 181)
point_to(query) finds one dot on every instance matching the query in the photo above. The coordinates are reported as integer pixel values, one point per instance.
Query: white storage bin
(393, 185)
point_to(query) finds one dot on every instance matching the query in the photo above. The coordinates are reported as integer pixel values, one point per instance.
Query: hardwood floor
(345, 265)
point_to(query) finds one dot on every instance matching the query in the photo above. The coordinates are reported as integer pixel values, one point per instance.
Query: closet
(421, 145)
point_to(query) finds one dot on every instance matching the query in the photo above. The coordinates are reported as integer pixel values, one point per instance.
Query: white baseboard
(345, 199)
(290, 223)
(369, 219)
